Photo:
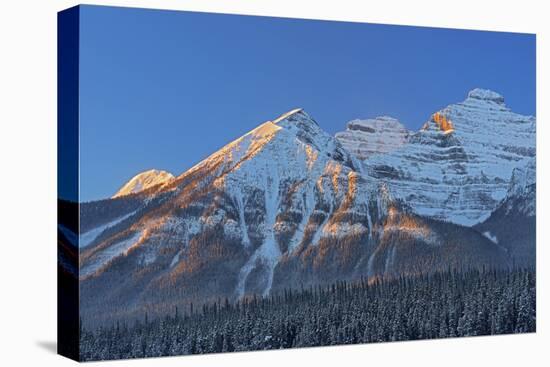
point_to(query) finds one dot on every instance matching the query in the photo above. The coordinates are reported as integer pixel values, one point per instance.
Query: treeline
(442, 305)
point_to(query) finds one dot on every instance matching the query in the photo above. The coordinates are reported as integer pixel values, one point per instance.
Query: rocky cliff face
(458, 167)
(512, 224)
(283, 206)
(521, 195)
(364, 138)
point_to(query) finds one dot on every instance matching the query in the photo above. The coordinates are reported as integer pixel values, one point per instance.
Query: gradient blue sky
(164, 89)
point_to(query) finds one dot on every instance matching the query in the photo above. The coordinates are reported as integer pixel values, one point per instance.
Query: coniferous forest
(450, 304)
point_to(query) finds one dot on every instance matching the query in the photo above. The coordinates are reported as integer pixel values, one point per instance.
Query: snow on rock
(490, 236)
(104, 256)
(365, 138)
(88, 237)
(143, 181)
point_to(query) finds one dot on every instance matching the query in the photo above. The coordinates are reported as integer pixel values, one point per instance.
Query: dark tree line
(442, 305)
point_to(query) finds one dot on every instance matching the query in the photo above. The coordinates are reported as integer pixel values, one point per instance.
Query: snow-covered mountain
(365, 138)
(459, 165)
(283, 206)
(144, 181)
(258, 185)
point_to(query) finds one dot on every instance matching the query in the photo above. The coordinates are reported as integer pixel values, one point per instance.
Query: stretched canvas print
(240, 183)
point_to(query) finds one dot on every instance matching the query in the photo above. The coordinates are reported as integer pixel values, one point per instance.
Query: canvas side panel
(67, 178)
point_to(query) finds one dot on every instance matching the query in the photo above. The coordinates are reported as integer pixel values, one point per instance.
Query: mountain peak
(486, 95)
(143, 181)
(296, 117)
(365, 138)
(288, 114)
(373, 124)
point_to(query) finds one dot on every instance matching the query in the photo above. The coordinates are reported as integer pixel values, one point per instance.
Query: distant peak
(373, 124)
(143, 181)
(368, 137)
(154, 172)
(486, 95)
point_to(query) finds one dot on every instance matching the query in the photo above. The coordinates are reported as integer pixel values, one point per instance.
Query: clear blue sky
(162, 89)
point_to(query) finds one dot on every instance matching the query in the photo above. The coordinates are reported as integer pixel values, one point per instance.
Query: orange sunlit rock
(442, 122)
